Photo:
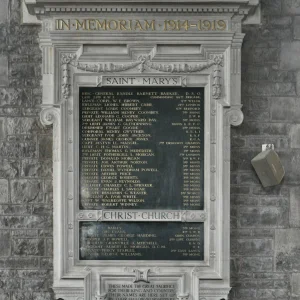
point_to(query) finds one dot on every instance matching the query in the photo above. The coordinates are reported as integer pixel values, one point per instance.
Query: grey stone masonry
(265, 244)
(265, 223)
(25, 164)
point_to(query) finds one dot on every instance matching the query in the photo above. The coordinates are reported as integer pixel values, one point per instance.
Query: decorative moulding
(249, 8)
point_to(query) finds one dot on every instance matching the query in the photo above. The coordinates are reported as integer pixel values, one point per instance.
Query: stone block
(273, 294)
(263, 233)
(254, 264)
(49, 247)
(42, 296)
(3, 10)
(256, 115)
(36, 168)
(265, 55)
(10, 283)
(261, 72)
(26, 191)
(19, 147)
(273, 276)
(4, 243)
(273, 201)
(259, 103)
(36, 284)
(21, 222)
(4, 295)
(24, 233)
(263, 216)
(271, 7)
(295, 207)
(271, 191)
(237, 199)
(21, 295)
(241, 233)
(291, 7)
(253, 247)
(48, 191)
(3, 191)
(241, 159)
(255, 128)
(2, 129)
(45, 147)
(280, 21)
(279, 34)
(296, 284)
(289, 56)
(46, 233)
(3, 67)
(265, 284)
(287, 249)
(22, 262)
(42, 209)
(243, 293)
(47, 263)
(291, 162)
(26, 126)
(297, 27)
(16, 210)
(269, 89)
(283, 109)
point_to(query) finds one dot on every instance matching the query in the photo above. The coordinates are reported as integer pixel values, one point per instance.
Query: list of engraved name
(141, 148)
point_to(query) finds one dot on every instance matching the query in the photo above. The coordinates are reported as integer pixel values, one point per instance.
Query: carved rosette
(193, 216)
(51, 116)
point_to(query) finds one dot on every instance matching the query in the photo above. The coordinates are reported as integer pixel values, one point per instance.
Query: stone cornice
(217, 7)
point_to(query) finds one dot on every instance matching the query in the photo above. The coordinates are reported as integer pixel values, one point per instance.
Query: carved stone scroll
(51, 116)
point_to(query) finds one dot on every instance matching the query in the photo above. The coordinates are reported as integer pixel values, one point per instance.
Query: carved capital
(51, 116)
(234, 115)
(67, 58)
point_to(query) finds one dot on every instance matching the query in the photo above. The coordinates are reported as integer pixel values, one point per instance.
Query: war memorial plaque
(142, 97)
(141, 148)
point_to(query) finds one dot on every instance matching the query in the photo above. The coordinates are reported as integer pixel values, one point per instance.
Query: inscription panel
(139, 291)
(141, 148)
(141, 25)
(141, 241)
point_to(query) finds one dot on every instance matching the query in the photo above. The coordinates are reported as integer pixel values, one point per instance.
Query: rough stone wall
(25, 164)
(265, 245)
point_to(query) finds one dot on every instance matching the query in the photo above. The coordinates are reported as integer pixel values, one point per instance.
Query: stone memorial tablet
(142, 291)
(141, 241)
(141, 148)
(141, 159)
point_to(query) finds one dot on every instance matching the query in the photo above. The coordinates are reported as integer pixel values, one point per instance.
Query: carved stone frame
(71, 60)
